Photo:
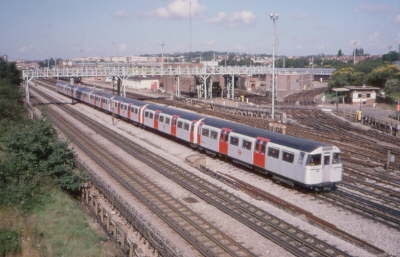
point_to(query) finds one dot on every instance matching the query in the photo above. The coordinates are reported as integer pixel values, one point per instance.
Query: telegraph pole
(274, 17)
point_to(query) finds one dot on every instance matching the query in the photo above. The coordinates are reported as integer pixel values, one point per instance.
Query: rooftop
(362, 88)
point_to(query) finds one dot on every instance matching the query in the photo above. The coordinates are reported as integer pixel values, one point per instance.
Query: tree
(345, 77)
(340, 53)
(9, 242)
(34, 158)
(359, 52)
(392, 87)
(391, 56)
(380, 75)
(9, 71)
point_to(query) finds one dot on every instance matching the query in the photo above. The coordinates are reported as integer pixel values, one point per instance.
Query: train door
(191, 136)
(199, 129)
(156, 116)
(259, 152)
(326, 166)
(129, 111)
(101, 102)
(173, 125)
(118, 108)
(223, 141)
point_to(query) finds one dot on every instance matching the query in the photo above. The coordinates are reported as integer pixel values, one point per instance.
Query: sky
(38, 29)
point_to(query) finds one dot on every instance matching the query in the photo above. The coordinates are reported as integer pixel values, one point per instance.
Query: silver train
(293, 161)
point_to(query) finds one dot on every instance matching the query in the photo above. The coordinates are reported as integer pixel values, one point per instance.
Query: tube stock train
(290, 160)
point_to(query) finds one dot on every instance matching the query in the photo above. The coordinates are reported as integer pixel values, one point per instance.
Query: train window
(327, 159)
(263, 146)
(314, 160)
(205, 132)
(214, 134)
(136, 110)
(146, 114)
(167, 120)
(336, 158)
(273, 152)
(234, 141)
(161, 118)
(150, 115)
(186, 126)
(246, 145)
(180, 123)
(287, 157)
(301, 158)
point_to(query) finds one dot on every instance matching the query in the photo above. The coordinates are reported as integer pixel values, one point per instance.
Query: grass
(58, 228)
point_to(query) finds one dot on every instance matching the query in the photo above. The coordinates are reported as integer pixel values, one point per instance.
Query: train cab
(323, 167)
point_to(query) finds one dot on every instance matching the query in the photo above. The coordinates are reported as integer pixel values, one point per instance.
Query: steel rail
(287, 236)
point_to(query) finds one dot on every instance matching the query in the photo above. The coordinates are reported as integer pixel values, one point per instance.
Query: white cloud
(397, 19)
(179, 9)
(221, 16)
(245, 17)
(120, 14)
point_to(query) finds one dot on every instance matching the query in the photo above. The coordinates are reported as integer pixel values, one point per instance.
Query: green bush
(33, 158)
(9, 242)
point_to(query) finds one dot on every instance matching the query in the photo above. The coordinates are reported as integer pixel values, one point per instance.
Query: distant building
(4, 58)
(362, 94)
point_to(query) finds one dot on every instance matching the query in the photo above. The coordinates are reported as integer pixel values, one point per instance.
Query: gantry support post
(178, 90)
(211, 89)
(204, 78)
(27, 93)
(233, 87)
(124, 80)
(119, 82)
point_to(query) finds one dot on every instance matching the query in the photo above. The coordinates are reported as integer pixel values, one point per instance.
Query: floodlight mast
(274, 17)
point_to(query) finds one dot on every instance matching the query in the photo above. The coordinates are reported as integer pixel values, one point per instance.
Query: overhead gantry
(124, 72)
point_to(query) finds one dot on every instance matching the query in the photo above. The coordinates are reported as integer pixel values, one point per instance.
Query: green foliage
(346, 77)
(8, 71)
(9, 242)
(359, 52)
(391, 56)
(392, 88)
(50, 62)
(380, 75)
(33, 156)
(11, 107)
(64, 229)
(10, 97)
(368, 65)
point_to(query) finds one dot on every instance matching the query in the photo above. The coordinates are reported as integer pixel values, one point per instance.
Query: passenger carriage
(289, 159)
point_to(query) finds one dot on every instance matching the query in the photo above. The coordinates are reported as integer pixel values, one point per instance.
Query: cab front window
(314, 160)
(336, 158)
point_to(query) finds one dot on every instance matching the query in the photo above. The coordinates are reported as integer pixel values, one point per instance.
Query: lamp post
(274, 17)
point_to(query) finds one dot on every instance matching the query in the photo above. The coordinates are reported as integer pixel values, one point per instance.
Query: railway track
(363, 206)
(202, 235)
(287, 236)
(332, 133)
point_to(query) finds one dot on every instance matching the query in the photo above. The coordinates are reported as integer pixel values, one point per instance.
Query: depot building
(358, 94)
